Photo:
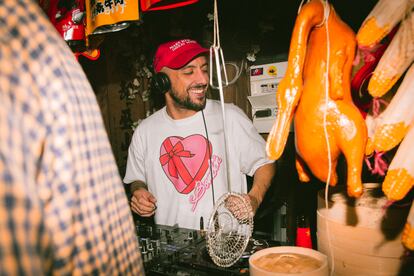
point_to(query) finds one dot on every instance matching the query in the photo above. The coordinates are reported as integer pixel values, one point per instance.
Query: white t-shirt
(172, 158)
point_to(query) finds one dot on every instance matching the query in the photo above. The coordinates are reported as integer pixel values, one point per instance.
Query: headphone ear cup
(161, 82)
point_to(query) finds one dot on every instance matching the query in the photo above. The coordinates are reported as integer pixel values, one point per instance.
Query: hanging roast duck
(319, 103)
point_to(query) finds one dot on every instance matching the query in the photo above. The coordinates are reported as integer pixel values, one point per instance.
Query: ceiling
(243, 23)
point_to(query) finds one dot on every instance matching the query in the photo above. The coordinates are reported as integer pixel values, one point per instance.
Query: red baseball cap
(175, 54)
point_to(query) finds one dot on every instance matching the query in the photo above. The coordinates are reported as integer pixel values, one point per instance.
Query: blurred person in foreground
(63, 208)
(176, 160)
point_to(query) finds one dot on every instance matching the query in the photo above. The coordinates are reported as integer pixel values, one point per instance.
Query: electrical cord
(209, 156)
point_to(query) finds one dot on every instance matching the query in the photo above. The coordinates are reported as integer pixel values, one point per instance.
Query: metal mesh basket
(230, 228)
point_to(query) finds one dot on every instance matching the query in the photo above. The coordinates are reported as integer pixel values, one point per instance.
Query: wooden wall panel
(112, 76)
(237, 92)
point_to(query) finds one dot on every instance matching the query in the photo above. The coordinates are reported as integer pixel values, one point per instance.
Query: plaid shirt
(63, 208)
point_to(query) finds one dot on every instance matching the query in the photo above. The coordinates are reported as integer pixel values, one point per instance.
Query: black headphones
(160, 82)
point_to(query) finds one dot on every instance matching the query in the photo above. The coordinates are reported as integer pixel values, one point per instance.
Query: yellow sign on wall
(107, 12)
(272, 71)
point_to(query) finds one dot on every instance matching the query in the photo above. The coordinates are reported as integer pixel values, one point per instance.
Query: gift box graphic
(185, 160)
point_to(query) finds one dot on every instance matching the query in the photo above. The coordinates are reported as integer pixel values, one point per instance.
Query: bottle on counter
(303, 232)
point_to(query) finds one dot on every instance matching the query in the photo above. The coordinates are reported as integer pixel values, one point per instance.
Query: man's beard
(186, 102)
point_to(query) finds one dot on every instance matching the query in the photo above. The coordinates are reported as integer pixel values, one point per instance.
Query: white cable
(216, 49)
(326, 13)
(300, 6)
(239, 71)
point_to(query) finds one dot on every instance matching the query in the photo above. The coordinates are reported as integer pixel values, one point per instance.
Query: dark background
(243, 23)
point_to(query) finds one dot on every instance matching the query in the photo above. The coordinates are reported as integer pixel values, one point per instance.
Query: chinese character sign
(108, 12)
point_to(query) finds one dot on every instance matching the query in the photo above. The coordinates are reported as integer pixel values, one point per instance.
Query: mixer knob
(157, 233)
(167, 233)
(143, 242)
(150, 251)
(156, 244)
(170, 258)
(149, 231)
(144, 254)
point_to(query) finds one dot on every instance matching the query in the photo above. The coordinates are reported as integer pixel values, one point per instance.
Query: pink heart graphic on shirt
(185, 160)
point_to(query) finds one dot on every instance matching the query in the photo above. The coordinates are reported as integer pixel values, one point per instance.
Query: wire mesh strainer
(229, 229)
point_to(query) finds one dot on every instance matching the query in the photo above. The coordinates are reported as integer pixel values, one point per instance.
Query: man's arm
(136, 185)
(261, 183)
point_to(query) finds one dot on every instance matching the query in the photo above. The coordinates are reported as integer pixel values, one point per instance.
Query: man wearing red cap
(176, 160)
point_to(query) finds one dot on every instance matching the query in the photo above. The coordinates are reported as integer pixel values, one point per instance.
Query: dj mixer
(170, 250)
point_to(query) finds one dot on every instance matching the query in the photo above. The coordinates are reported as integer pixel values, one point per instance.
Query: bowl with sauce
(288, 261)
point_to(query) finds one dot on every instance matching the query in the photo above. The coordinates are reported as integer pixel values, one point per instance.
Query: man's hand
(143, 202)
(238, 207)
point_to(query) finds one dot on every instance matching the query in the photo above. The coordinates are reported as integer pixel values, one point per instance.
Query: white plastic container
(364, 235)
